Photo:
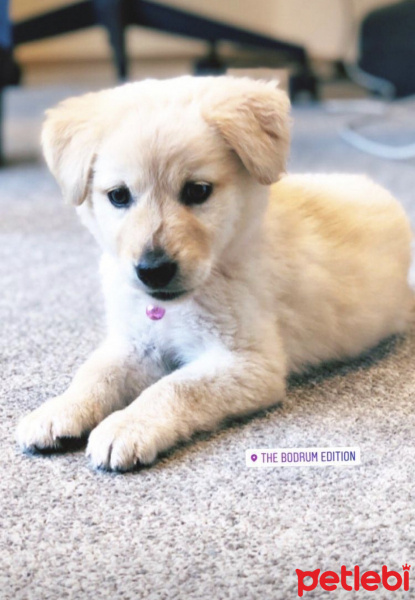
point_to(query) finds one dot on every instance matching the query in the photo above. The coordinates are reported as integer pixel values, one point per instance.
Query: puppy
(217, 284)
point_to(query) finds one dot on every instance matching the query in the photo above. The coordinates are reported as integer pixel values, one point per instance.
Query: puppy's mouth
(166, 296)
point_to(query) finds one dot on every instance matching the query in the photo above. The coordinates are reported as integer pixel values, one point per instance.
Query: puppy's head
(170, 176)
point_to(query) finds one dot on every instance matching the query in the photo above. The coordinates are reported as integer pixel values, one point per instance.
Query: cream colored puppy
(217, 285)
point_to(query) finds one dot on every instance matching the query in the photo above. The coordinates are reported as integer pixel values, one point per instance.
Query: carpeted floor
(199, 524)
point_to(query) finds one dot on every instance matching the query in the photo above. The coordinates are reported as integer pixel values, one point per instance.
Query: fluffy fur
(310, 269)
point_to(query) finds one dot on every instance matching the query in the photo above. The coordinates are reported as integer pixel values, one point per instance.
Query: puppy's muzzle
(156, 269)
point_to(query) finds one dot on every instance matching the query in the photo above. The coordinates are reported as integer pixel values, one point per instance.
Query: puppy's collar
(155, 313)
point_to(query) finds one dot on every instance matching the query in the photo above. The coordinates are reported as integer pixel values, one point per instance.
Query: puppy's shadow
(365, 361)
(66, 445)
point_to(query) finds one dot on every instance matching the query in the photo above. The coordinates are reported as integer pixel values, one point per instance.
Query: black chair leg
(110, 14)
(211, 64)
(303, 83)
(1, 128)
(9, 75)
(80, 15)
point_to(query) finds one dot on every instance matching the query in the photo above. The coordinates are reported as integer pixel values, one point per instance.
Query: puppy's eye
(195, 192)
(120, 197)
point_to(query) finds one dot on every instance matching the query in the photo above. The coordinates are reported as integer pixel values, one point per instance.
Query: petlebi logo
(353, 579)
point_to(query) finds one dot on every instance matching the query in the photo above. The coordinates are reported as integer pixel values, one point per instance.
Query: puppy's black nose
(156, 269)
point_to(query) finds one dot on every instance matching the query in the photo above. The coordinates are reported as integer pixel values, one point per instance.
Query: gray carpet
(199, 524)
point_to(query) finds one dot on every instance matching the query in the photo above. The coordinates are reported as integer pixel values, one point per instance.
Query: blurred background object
(324, 49)
(9, 71)
(385, 68)
(387, 46)
(56, 19)
(118, 15)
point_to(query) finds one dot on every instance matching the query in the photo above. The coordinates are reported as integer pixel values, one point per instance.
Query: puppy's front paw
(122, 442)
(49, 425)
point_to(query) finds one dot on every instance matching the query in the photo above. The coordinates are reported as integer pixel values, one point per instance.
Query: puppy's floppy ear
(253, 118)
(70, 137)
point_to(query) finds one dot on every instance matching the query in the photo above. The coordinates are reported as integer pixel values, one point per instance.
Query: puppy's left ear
(253, 118)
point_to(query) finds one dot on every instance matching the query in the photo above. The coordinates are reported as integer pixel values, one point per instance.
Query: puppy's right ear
(70, 137)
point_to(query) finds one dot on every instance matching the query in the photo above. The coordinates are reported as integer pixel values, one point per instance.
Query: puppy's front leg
(110, 379)
(194, 398)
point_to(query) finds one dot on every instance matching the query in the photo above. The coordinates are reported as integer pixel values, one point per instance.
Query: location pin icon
(253, 457)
